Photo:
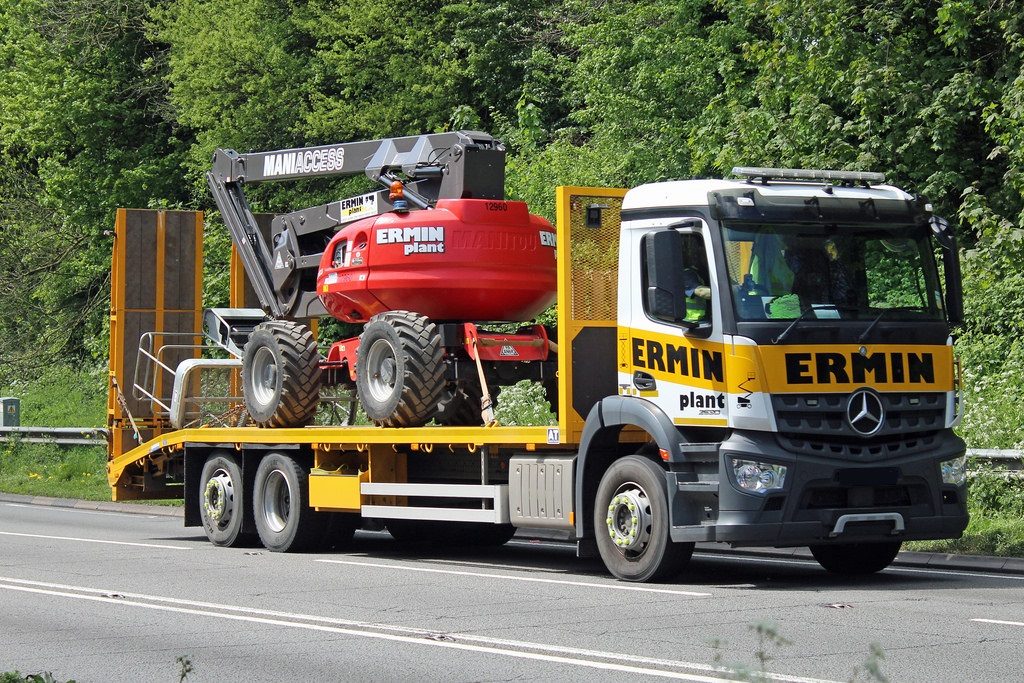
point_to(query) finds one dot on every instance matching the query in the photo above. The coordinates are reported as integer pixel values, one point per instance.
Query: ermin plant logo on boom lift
(417, 239)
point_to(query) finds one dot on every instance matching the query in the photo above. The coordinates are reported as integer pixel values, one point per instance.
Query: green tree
(85, 129)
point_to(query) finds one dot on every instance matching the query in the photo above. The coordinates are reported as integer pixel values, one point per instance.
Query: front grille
(817, 424)
(826, 413)
(860, 450)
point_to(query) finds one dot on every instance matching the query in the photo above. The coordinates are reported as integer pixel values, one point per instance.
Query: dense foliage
(106, 104)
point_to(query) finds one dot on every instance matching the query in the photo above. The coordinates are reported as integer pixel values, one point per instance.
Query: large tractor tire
(281, 375)
(399, 372)
(223, 502)
(856, 559)
(461, 407)
(631, 522)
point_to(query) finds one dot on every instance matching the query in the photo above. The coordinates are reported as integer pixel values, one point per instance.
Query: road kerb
(97, 505)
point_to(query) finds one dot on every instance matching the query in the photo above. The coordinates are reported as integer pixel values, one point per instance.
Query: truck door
(676, 361)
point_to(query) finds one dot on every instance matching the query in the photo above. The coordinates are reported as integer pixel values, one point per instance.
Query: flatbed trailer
(831, 430)
(459, 474)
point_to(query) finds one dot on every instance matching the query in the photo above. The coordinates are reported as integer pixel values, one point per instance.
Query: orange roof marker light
(397, 197)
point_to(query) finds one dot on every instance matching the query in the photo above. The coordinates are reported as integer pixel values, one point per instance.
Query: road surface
(104, 596)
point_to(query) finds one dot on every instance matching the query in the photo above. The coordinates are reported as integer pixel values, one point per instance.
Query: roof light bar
(808, 174)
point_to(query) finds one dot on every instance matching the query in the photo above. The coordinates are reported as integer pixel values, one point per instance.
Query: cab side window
(693, 283)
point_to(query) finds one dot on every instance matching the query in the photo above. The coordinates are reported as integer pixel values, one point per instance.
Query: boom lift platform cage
(157, 327)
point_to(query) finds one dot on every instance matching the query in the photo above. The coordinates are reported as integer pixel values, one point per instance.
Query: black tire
(631, 522)
(223, 502)
(281, 375)
(280, 500)
(460, 407)
(856, 559)
(423, 532)
(486, 535)
(399, 371)
(338, 530)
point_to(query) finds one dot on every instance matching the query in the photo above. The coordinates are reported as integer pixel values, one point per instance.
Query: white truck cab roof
(691, 193)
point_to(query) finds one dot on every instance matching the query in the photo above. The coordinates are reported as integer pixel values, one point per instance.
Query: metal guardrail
(60, 436)
(995, 454)
(1004, 459)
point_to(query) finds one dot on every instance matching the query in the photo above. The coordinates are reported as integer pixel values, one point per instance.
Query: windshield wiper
(867, 330)
(802, 316)
(884, 312)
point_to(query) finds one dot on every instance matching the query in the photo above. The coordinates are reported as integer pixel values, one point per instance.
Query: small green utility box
(11, 416)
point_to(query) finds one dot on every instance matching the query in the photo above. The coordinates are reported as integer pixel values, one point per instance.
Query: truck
(765, 360)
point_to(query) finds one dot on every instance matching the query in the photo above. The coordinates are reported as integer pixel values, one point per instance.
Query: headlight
(954, 471)
(758, 477)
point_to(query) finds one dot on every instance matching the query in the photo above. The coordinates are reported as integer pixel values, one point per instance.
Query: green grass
(999, 535)
(61, 397)
(48, 470)
(995, 500)
(58, 397)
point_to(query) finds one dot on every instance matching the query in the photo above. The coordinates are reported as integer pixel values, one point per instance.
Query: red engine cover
(467, 259)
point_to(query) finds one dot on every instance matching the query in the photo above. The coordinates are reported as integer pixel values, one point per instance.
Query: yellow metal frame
(357, 439)
(117, 421)
(570, 426)
(117, 299)
(340, 491)
(337, 491)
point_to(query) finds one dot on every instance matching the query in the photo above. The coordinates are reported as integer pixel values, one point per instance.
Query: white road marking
(95, 540)
(406, 634)
(534, 579)
(496, 565)
(906, 570)
(50, 508)
(1000, 622)
(568, 545)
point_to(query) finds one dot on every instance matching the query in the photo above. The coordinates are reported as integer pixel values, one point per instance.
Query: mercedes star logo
(865, 412)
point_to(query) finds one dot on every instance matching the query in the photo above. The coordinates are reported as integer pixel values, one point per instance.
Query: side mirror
(954, 285)
(665, 275)
(943, 232)
(946, 237)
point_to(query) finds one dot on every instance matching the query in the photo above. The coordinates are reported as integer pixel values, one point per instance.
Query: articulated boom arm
(461, 164)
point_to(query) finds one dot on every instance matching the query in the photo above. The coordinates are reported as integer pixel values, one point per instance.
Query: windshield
(784, 272)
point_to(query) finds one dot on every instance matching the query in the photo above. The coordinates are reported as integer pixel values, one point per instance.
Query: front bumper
(828, 501)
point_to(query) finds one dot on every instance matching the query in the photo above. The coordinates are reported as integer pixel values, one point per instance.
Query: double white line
(607, 661)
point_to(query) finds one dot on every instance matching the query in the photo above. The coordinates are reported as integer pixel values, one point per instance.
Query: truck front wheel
(631, 522)
(856, 559)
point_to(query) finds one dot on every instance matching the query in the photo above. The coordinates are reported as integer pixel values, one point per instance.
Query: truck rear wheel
(222, 502)
(284, 520)
(399, 372)
(631, 522)
(281, 374)
(856, 559)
